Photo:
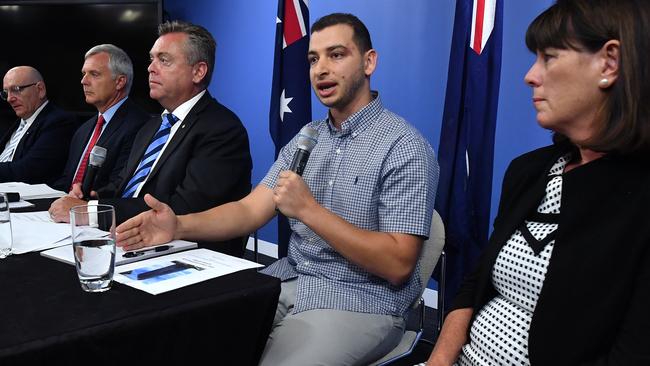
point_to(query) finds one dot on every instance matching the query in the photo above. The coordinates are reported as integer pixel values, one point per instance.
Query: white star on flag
(284, 105)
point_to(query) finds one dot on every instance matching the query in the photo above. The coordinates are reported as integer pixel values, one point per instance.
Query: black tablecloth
(45, 318)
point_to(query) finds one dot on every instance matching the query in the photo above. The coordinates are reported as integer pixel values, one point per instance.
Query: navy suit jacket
(117, 138)
(42, 151)
(207, 163)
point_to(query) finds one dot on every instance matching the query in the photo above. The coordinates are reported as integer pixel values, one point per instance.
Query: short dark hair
(201, 46)
(361, 35)
(585, 26)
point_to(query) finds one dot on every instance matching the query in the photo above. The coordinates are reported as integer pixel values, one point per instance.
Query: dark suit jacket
(206, 163)
(117, 138)
(41, 153)
(593, 307)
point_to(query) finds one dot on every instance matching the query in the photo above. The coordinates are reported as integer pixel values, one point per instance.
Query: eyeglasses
(16, 90)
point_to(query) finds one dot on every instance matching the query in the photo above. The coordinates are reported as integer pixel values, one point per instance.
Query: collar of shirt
(32, 118)
(110, 112)
(184, 109)
(358, 121)
(181, 112)
(108, 115)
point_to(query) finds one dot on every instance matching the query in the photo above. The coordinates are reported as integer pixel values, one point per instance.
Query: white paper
(34, 231)
(20, 204)
(37, 216)
(185, 268)
(64, 253)
(31, 191)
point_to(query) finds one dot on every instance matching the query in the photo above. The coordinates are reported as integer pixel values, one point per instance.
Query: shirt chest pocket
(356, 197)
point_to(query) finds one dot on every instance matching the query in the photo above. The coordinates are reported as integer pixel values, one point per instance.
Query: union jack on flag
(483, 15)
(466, 147)
(290, 95)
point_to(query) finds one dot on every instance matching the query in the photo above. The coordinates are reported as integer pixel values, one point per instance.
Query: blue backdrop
(412, 38)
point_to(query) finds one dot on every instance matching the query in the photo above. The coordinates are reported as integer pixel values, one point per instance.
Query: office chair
(432, 250)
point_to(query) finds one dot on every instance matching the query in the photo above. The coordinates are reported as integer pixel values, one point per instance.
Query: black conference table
(46, 318)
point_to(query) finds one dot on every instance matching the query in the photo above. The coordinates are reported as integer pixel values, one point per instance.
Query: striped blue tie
(11, 145)
(150, 155)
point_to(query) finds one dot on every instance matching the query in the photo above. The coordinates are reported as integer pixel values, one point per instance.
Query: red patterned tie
(84, 162)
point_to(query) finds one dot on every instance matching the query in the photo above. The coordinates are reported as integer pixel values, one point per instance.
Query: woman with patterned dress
(565, 279)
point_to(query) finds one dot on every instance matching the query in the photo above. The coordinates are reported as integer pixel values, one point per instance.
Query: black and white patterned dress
(499, 333)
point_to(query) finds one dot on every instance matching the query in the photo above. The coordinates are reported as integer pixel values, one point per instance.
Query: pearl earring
(603, 83)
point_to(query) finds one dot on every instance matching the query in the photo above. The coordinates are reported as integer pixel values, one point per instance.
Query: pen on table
(138, 253)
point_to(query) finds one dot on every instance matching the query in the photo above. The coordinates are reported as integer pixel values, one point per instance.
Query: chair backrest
(431, 250)
(429, 256)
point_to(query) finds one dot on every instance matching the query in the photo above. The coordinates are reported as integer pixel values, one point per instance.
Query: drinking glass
(93, 242)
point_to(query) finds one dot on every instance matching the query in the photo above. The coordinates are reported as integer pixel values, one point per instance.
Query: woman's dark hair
(586, 25)
(361, 34)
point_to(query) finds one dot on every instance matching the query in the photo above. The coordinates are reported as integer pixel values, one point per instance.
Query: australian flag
(290, 96)
(466, 147)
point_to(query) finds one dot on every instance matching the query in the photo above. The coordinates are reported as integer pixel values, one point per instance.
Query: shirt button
(307, 263)
(331, 182)
(338, 151)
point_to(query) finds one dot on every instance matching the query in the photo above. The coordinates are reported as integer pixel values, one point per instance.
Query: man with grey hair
(195, 155)
(107, 76)
(35, 147)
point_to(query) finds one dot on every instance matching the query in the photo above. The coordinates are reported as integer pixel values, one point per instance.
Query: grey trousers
(327, 337)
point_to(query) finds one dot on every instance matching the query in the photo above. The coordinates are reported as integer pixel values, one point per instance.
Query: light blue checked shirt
(377, 173)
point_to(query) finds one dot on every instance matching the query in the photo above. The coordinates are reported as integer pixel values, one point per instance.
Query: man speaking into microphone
(358, 214)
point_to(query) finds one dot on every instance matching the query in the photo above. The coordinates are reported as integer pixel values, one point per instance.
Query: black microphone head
(307, 138)
(97, 156)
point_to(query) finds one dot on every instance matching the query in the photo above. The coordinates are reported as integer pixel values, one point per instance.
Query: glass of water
(6, 239)
(93, 242)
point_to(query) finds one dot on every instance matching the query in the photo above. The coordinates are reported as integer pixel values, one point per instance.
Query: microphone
(96, 159)
(307, 140)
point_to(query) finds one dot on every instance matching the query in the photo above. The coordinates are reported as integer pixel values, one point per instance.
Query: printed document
(31, 191)
(166, 273)
(20, 204)
(34, 231)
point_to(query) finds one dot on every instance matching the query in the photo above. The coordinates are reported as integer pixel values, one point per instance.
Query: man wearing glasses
(35, 148)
